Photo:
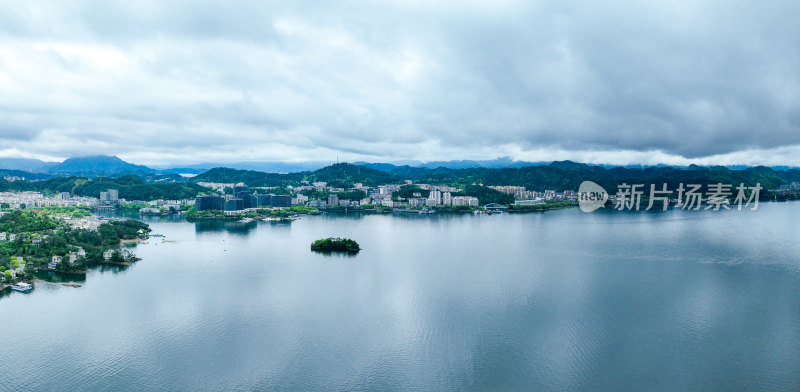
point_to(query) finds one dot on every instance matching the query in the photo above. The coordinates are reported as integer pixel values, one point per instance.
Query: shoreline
(76, 272)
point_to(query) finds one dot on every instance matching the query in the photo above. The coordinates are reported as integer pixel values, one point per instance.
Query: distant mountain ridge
(112, 166)
(26, 164)
(99, 165)
(339, 175)
(89, 166)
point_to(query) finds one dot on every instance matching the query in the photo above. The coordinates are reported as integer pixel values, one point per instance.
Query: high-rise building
(241, 190)
(234, 204)
(113, 195)
(263, 200)
(280, 201)
(250, 201)
(435, 198)
(211, 202)
(447, 198)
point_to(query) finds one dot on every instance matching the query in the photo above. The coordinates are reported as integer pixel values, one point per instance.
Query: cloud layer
(615, 82)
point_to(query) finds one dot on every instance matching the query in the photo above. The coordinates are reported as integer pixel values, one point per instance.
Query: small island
(335, 245)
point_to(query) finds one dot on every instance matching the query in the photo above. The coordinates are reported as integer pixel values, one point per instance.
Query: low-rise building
(470, 201)
(529, 202)
(316, 203)
(300, 199)
(417, 202)
(333, 200)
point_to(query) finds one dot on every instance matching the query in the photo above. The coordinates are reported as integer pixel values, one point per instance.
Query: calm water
(557, 301)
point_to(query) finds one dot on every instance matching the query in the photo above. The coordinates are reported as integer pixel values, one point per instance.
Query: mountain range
(89, 166)
(112, 166)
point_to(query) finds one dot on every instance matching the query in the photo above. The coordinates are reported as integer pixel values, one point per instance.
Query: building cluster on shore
(239, 197)
(22, 200)
(108, 200)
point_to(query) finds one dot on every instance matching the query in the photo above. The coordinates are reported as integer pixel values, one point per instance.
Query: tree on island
(335, 245)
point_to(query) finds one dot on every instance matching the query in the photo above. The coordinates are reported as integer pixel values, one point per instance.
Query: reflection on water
(60, 277)
(233, 227)
(112, 268)
(335, 255)
(560, 300)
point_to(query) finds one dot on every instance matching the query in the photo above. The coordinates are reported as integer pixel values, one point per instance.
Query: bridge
(494, 207)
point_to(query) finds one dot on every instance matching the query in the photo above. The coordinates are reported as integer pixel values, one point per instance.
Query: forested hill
(569, 175)
(130, 187)
(338, 175)
(249, 177)
(556, 176)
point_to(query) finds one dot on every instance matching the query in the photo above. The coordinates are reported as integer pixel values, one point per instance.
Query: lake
(561, 300)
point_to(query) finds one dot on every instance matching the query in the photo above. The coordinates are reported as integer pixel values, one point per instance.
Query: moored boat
(22, 287)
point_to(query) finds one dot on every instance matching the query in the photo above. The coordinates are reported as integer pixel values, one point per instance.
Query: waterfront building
(447, 199)
(300, 199)
(333, 200)
(243, 192)
(234, 205)
(530, 202)
(250, 201)
(465, 201)
(280, 201)
(417, 202)
(435, 198)
(316, 203)
(209, 202)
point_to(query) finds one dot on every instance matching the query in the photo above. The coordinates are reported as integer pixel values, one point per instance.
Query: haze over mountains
(143, 183)
(112, 166)
(89, 166)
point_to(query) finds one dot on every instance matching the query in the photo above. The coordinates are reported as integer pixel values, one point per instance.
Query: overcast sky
(178, 82)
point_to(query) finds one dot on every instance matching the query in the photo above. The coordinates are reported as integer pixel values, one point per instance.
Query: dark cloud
(704, 80)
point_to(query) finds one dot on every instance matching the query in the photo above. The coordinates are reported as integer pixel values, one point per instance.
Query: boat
(22, 287)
